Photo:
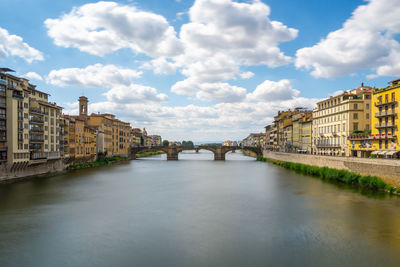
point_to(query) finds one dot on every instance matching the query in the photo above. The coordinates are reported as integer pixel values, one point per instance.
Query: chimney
(362, 84)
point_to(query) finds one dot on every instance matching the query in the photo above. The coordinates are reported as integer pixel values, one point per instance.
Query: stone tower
(83, 103)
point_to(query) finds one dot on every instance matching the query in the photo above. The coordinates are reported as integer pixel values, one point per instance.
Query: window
(367, 115)
(355, 106)
(355, 116)
(367, 106)
(367, 127)
(355, 126)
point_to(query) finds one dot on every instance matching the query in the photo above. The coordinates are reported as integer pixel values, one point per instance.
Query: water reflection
(195, 212)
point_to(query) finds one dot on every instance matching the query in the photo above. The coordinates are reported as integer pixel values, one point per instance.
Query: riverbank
(97, 163)
(148, 153)
(386, 169)
(249, 153)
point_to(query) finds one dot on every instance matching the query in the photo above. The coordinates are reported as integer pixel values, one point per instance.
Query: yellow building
(336, 118)
(382, 141)
(306, 134)
(117, 134)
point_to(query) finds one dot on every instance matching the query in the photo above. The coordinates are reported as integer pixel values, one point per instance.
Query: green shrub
(342, 176)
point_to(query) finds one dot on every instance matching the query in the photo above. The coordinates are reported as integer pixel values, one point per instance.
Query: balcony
(18, 95)
(378, 104)
(360, 137)
(3, 82)
(3, 139)
(35, 147)
(3, 148)
(35, 140)
(3, 104)
(3, 128)
(3, 116)
(36, 111)
(36, 131)
(36, 120)
(389, 112)
(384, 125)
(3, 92)
(328, 145)
(384, 136)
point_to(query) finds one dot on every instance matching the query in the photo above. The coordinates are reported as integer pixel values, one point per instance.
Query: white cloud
(33, 76)
(221, 92)
(117, 79)
(134, 93)
(366, 41)
(93, 76)
(15, 46)
(104, 27)
(222, 36)
(246, 75)
(271, 91)
(240, 30)
(160, 66)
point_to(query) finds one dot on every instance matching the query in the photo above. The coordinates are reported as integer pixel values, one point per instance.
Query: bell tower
(83, 103)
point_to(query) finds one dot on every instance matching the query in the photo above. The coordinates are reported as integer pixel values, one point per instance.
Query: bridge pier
(219, 156)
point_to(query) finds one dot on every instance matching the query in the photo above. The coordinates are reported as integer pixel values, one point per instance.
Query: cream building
(335, 118)
(31, 123)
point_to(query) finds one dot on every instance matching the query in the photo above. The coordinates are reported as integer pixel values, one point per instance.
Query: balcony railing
(36, 140)
(386, 113)
(360, 137)
(3, 104)
(3, 128)
(392, 101)
(35, 147)
(36, 120)
(36, 111)
(384, 125)
(328, 145)
(3, 116)
(3, 148)
(3, 92)
(36, 130)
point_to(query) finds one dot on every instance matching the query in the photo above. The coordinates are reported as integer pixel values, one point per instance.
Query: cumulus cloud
(246, 75)
(366, 41)
(271, 91)
(104, 27)
(14, 45)
(33, 76)
(160, 66)
(134, 93)
(222, 36)
(221, 92)
(117, 79)
(93, 76)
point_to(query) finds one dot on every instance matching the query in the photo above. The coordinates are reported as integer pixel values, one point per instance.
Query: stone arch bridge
(172, 152)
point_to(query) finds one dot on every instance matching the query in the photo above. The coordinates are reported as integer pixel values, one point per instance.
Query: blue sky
(204, 69)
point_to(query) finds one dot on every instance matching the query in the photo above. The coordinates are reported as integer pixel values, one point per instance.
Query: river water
(195, 212)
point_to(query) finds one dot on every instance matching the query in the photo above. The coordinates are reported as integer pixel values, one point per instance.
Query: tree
(165, 143)
(187, 143)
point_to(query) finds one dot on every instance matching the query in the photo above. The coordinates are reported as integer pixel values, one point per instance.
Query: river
(195, 212)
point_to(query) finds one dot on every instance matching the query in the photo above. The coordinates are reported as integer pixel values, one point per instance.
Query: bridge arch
(172, 152)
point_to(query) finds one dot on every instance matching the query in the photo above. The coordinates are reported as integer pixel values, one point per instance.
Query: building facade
(336, 118)
(383, 140)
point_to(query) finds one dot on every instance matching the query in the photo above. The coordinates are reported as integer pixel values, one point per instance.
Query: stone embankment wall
(387, 169)
(49, 167)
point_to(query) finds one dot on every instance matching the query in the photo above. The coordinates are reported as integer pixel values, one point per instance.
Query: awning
(381, 152)
(392, 152)
(375, 152)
